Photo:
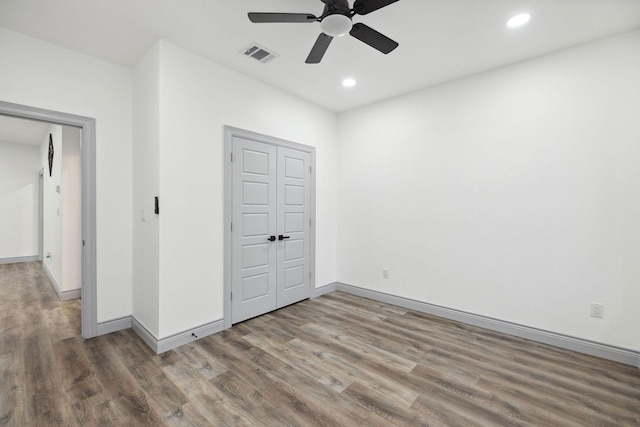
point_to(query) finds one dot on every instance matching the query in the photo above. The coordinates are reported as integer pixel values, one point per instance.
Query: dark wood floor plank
(45, 402)
(390, 359)
(58, 325)
(463, 397)
(77, 378)
(12, 398)
(359, 370)
(297, 374)
(377, 403)
(301, 362)
(254, 403)
(373, 335)
(197, 362)
(237, 355)
(557, 396)
(126, 400)
(305, 409)
(205, 398)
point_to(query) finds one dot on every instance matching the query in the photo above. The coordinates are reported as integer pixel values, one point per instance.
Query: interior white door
(253, 281)
(271, 243)
(293, 272)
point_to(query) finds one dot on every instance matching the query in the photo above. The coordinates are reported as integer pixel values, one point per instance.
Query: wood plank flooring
(338, 360)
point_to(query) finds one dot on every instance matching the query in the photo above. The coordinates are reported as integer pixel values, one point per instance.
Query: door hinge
(82, 242)
(310, 223)
(309, 170)
(231, 296)
(232, 157)
(309, 275)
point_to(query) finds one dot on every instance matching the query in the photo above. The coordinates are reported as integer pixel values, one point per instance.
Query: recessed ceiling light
(518, 20)
(348, 82)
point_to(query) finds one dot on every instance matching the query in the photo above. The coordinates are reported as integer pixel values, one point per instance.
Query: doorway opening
(87, 246)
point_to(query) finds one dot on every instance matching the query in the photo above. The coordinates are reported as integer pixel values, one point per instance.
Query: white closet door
(294, 196)
(254, 223)
(271, 247)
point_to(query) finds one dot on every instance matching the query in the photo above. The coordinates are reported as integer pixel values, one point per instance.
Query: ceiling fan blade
(373, 38)
(318, 50)
(362, 7)
(261, 18)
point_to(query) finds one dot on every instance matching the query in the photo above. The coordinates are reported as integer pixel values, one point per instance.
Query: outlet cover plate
(597, 310)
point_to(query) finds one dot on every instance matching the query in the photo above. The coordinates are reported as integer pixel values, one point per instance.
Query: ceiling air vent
(259, 53)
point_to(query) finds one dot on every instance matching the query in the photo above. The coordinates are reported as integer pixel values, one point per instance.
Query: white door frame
(229, 134)
(41, 214)
(88, 160)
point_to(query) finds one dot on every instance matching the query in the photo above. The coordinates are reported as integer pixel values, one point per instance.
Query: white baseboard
(52, 279)
(616, 354)
(19, 259)
(323, 290)
(114, 325)
(144, 333)
(175, 340)
(72, 294)
(63, 295)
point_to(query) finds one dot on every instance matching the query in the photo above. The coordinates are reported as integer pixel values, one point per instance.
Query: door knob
(281, 237)
(272, 239)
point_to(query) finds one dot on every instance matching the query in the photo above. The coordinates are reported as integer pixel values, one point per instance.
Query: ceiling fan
(335, 21)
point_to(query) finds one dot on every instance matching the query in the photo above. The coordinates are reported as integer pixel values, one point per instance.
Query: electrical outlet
(597, 310)
(385, 273)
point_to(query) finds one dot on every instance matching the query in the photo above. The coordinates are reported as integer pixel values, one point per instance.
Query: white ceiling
(440, 40)
(22, 131)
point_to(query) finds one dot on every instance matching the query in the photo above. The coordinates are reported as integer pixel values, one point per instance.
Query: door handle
(281, 237)
(272, 239)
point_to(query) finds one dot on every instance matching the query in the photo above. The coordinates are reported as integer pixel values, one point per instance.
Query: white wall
(52, 236)
(197, 98)
(146, 180)
(71, 191)
(43, 75)
(19, 200)
(512, 194)
(62, 221)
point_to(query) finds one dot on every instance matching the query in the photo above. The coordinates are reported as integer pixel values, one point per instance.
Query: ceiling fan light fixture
(518, 20)
(336, 25)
